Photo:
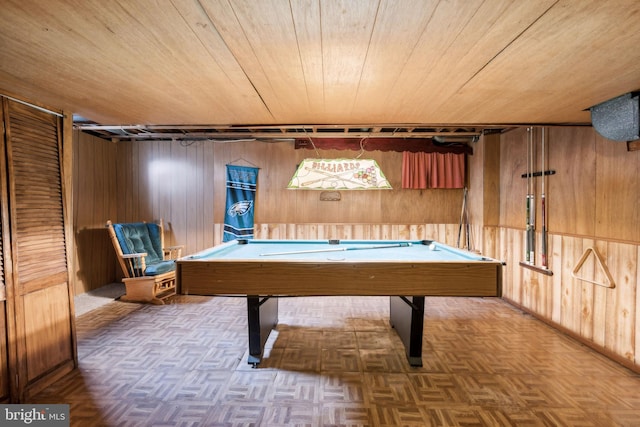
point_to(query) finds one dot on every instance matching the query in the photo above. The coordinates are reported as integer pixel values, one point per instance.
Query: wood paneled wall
(445, 233)
(95, 201)
(594, 191)
(185, 185)
(606, 318)
(592, 202)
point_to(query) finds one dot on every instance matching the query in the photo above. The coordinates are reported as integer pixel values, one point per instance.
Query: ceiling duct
(619, 118)
(447, 139)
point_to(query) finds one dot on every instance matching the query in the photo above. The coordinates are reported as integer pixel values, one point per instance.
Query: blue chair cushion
(140, 237)
(160, 267)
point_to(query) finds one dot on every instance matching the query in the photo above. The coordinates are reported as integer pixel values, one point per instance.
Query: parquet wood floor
(334, 361)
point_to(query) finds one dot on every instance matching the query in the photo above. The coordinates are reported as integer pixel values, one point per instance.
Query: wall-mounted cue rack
(531, 200)
(539, 173)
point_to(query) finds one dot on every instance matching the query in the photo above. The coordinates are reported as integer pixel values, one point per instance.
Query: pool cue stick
(466, 220)
(528, 210)
(532, 217)
(544, 208)
(347, 248)
(464, 204)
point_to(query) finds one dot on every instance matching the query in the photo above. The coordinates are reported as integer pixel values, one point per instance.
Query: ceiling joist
(193, 132)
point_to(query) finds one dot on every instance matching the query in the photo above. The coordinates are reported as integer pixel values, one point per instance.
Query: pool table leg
(407, 318)
(262, 317)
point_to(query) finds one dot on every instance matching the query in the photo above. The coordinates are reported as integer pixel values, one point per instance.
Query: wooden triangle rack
(599, 262)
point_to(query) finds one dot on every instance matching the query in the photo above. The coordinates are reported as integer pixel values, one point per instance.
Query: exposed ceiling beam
(289, 132)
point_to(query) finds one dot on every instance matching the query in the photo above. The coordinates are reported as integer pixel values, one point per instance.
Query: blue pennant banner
(241, 193)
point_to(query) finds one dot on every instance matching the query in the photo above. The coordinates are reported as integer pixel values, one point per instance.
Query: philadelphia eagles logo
(240, 208)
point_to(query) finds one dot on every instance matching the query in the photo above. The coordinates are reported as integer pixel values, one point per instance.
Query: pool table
(405, 270)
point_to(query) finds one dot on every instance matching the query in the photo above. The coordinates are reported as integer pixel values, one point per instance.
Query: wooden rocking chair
(149, 268)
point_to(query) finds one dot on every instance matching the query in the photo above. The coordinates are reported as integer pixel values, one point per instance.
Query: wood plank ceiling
(213, 67)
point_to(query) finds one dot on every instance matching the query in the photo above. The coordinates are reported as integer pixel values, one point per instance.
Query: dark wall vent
(619, 118)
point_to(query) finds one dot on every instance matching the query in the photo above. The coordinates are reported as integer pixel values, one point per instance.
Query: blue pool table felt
(345, 250)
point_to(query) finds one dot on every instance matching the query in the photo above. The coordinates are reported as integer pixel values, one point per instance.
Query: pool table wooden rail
(296, 278)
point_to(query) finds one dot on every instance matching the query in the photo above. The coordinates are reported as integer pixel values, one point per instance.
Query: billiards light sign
(339, 174)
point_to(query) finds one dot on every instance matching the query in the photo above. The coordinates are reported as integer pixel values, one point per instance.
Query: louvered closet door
(5, 276)
(42, 296)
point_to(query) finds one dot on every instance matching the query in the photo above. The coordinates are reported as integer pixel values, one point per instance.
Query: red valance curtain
(432, 170)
